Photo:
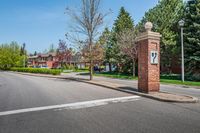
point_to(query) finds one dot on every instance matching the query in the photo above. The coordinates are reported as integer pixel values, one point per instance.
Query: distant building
(43, 61)
(50, 60)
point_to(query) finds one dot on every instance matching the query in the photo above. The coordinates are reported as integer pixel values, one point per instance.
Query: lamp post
(181, 24)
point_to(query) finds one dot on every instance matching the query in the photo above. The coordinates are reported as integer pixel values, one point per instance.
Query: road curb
(192, 99)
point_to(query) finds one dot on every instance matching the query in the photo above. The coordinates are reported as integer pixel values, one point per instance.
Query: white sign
(154, 57)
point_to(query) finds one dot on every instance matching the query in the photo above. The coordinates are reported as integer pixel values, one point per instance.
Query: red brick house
(50, 60)
(43, 61)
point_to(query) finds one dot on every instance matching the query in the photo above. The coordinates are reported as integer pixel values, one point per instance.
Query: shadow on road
(128, 88)
(57, 79)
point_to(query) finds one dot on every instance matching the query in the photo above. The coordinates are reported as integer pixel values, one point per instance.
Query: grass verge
(179, 82)
(162, 80)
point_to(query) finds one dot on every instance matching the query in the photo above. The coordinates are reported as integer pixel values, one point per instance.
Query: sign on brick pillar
(148, 60)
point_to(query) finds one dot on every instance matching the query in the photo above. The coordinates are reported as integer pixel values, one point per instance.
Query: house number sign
(154, 57)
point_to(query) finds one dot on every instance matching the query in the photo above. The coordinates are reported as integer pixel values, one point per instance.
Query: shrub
(171, 76)
(37, 70)
(68, 67)
(188, 77)
(194, 77)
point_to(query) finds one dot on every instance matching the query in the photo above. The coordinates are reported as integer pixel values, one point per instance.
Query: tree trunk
(91, 70)
(91, 62)
(61, 64)
(110, 67)
(133, 68)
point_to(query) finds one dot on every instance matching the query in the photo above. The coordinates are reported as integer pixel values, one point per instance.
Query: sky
(40, 23)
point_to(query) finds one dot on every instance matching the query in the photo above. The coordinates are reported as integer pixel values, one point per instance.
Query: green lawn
(162, 80)
(179, 82)
(81, 70)
(74, 70)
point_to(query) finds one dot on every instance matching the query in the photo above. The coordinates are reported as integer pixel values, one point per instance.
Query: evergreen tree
(23, 49)
(35, 53)
(122, 23)
(52, 49)
(106, 40)
(165, 17)
(192, 36)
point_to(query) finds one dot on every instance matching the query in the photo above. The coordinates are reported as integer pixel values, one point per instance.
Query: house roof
(42, 55)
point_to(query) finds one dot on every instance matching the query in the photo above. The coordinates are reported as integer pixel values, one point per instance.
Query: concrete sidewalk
(129, 86)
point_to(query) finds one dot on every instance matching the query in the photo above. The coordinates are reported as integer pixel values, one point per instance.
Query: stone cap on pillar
(148, 34)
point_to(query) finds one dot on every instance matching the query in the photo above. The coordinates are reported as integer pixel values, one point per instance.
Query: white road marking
(70, 106)
(77, 105)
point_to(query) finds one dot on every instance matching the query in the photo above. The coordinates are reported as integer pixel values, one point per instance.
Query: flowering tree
(63, 53)
(97, 53)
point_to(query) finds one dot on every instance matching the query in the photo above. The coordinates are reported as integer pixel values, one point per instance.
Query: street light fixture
(181, 24)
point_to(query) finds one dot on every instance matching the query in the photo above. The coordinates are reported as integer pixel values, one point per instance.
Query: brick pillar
(148, 60)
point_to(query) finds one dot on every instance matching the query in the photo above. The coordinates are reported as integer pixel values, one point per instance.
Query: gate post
(148, 60)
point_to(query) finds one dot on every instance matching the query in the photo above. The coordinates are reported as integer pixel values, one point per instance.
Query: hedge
(37, 70)
(188, 77)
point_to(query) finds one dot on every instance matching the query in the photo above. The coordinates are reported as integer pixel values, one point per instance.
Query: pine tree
(192, 36)
(106, 40)
(122, 23)
(35, 53)
(165, 16)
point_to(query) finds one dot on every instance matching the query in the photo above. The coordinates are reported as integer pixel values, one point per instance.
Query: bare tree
(87, 22)
(127, 43)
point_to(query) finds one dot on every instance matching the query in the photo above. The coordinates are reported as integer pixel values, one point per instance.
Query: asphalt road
(138, 116)
(178, 89)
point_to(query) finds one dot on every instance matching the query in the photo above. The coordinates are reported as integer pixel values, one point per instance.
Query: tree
(35, 53)
(165, 17)
(122, 23)
(23, 53)
(192, 34)
(88, 20)
(63, 53)
(128, 46)
(10, 56)
(52, 49)
(23, 49)
(105, 40)
(97, 53)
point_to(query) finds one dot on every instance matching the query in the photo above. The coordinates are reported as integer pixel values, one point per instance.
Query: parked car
(44, 66)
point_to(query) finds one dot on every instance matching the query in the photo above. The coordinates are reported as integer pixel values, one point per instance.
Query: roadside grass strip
(73, 106)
